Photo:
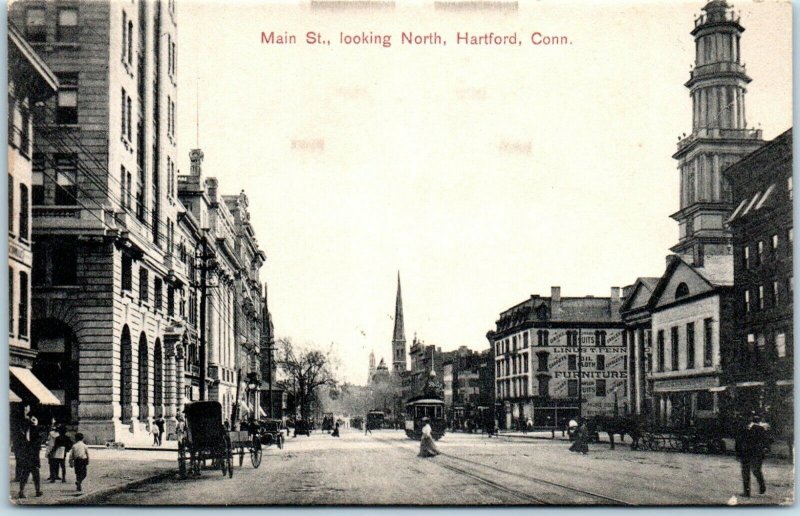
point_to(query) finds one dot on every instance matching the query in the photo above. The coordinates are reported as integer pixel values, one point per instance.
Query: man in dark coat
(751, 447)
(29, 446)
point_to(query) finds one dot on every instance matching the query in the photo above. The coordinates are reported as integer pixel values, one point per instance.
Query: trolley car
(421, 407)
(375, 419)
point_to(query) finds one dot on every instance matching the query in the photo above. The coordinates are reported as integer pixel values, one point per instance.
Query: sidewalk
(110, 470)
(779, 449)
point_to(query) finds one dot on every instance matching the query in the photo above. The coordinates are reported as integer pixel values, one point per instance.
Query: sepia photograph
(400, 253)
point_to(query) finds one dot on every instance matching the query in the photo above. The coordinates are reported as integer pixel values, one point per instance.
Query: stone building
(720, 137)
(30, 80)
(692, 325)
(105, 210)
(635, 313)
(692, 308)
(758, 370)
(248, 306)
(462, 383)
(560, 357)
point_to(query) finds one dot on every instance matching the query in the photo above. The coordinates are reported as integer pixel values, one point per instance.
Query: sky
(483, 174)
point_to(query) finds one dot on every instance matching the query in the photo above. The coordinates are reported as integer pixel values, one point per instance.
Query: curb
(92, 497)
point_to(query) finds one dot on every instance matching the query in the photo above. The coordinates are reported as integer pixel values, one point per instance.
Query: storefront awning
(34, 386)
(12, 397)
(717, 389)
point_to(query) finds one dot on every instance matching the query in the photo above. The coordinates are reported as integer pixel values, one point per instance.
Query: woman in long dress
(427, 448)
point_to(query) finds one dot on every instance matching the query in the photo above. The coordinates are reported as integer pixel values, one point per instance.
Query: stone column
(169, 385)
(638, 347)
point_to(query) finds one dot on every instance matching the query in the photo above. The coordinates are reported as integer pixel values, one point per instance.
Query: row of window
(543, 339)
(144, 287)
(518, 387)
(757, 346)
(777, 295)
(22, 304)
(758, 255)
(66, 25)
(20, 214)
(688, 345)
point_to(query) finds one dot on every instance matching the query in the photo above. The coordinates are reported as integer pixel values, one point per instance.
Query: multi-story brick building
(30, 80)
(462, 384)
(105, 208)
(758, 370)
(549, 349)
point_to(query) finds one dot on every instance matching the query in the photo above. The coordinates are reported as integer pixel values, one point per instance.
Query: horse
(619, 425)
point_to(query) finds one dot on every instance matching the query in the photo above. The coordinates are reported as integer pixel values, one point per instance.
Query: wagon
(208, 440)
(694, 440)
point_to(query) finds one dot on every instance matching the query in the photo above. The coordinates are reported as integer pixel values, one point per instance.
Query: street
(383, 468)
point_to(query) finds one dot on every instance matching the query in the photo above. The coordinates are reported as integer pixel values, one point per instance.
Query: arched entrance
(158, 379)
(56, 365)
(143, 375)
(126, 375)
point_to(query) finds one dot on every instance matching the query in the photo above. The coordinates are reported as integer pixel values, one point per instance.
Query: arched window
(681, 291)
(125, 376)
(143, 377)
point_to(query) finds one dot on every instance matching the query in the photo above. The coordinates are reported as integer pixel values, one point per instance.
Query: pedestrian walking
(368, 428)
(529, 424)
(160, 424)
(28, 449)
(335, 430)
(523, 425)
(49, 449)
(154, 433)
(751, 448)
(581, 438)
(63, 445)
(427, 448)
(79, 459)
(571, 428)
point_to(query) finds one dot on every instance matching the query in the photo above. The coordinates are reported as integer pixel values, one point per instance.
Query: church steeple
(399, 336)
(720, 137)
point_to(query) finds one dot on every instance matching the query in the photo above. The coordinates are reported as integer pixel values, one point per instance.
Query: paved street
(383, 469)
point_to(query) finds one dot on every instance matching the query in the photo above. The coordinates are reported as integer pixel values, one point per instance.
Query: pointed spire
(399, 329)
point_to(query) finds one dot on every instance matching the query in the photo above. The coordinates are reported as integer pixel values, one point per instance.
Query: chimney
(555, 294)
(615, 294)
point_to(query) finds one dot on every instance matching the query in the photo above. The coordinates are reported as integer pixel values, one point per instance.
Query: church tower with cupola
(720, 137)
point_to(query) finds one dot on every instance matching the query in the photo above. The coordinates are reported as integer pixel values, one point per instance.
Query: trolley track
(587, 496)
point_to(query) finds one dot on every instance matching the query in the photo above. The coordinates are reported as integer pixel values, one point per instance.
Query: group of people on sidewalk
(26, 442)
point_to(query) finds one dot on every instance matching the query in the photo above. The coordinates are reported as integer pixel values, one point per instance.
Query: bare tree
(305, 371)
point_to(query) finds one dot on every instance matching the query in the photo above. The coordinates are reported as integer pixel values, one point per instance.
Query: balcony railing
(714, 68)
(720, 133)
(57, 212)
(716, 17)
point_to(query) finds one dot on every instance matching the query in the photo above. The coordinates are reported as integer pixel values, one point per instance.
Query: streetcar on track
(375, 419)
(421, 407)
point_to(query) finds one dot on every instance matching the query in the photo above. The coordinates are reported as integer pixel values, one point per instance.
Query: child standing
(79, 459)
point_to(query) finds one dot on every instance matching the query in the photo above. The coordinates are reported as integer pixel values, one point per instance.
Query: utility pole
(269, 368)
(580, 375)
(203, 278)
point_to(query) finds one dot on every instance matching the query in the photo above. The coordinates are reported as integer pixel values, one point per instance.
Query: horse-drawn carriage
(208, 440)
(704, 437)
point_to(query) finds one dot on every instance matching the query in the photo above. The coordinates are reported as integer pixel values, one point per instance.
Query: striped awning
(34, 386)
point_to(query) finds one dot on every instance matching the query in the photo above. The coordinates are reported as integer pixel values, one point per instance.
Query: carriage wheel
(255, 457)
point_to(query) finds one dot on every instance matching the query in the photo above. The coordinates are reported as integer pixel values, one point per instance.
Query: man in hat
(751, 447)
(29, 445)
